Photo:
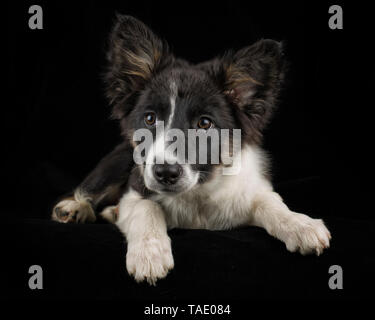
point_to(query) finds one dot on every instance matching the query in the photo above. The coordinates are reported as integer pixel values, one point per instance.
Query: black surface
(88, 262)
(57, 128)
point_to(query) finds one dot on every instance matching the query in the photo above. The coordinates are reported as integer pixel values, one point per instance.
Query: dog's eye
(205, 123)
(150, 118)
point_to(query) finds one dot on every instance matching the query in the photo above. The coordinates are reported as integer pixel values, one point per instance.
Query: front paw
(307, 235)
(149, 259)
(70, 210)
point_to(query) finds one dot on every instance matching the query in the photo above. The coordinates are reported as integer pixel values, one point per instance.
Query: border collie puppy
(147, 85)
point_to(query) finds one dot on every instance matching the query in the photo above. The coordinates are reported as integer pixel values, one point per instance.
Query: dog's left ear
(254, 73)
(251, 79)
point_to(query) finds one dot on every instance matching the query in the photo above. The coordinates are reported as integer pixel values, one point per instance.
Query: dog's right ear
(135, 55)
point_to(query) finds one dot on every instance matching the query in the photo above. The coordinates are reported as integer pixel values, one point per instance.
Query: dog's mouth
(171, 190)
(167, 190)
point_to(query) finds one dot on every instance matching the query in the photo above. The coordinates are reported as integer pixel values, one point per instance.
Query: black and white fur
(238, 90)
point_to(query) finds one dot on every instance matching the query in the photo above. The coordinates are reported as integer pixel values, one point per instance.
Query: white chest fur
(222, 203)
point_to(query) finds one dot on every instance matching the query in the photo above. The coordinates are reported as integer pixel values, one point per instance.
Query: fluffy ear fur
(135, 55)
(251, 79)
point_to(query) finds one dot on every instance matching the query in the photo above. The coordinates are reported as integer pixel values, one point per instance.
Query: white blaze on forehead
(172, 100)
(158, 152)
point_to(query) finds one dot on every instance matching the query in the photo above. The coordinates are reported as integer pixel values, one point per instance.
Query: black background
(57, 123)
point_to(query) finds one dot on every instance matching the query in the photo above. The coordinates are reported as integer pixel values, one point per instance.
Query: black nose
(167, 173)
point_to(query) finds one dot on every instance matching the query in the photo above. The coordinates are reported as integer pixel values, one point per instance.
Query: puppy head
(149, 88)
